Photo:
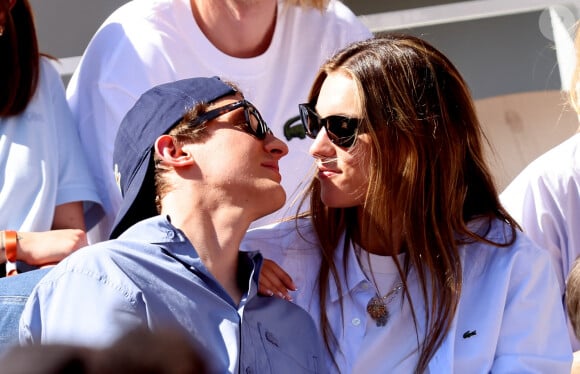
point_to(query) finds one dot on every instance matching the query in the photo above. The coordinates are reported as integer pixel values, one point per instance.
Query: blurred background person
(545, 198)
(44, 178)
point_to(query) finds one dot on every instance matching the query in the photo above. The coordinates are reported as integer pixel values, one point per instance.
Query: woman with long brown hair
(407, 259)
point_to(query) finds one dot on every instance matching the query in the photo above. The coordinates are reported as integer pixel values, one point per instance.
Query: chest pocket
(287, 354)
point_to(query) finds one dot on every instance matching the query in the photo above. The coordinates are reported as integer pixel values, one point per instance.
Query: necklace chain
(392, 293)
(377, 305)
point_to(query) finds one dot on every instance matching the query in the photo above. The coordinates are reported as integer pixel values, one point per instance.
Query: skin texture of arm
(49, 247)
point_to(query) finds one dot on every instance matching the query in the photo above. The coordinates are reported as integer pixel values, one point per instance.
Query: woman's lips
(326, 172)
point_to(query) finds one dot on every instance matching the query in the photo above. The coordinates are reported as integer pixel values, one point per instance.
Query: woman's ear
(171, 152)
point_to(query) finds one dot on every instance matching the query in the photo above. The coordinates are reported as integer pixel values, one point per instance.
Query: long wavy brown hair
(428, 176)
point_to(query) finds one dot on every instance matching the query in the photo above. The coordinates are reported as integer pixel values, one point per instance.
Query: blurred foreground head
(139, 351)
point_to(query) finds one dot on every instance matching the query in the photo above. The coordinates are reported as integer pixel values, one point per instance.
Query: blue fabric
(152, 276)
(14, 292)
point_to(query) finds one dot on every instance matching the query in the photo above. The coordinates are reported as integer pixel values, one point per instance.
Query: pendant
(378, 311)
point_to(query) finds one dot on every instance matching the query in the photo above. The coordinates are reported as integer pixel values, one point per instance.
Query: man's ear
(171, 153)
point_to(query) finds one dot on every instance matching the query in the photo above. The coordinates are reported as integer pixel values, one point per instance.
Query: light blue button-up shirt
(153, 276)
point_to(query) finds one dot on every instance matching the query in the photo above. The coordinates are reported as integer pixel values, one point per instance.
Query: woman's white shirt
(509, 318)
(41, 161)
(403, 355)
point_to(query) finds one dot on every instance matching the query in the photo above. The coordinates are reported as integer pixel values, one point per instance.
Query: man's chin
(272, 201)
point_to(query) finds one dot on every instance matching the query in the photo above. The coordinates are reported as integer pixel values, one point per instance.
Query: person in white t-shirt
(407, 259)
(270, 48)
(545, 199)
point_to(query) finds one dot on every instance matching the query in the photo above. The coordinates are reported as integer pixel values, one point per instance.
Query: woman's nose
(322, 144)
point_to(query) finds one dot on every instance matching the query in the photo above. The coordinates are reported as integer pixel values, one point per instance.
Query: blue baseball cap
(155, 113)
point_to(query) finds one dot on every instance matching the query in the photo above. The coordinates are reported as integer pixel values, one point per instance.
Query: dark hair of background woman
(19, 65)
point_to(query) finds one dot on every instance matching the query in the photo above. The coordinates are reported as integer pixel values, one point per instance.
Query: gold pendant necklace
(377, 305)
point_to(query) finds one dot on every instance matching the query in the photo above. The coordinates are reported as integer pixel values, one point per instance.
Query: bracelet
(10, 244)
(2, 247)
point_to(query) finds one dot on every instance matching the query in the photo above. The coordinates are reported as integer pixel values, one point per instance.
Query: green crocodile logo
(293, 129)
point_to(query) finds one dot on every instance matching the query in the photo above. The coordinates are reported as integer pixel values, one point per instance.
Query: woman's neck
(372, 238)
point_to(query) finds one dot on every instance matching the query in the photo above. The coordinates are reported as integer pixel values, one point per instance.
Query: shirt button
(356, 321)
(170, 234)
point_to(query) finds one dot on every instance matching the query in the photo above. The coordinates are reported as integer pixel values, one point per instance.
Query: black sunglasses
(341, 130)
(254, 123)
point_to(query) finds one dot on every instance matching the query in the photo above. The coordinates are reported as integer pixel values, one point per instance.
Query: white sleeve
(114, 71)
(534, 204)
(75, 183)
(533, 334)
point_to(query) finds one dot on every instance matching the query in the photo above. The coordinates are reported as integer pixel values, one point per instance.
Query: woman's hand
(48, 247)
(275, 281)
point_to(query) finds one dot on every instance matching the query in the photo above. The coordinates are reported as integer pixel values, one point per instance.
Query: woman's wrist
(9, 244)
(2, 248)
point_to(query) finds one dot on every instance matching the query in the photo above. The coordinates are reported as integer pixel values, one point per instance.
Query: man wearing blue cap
(200, 155)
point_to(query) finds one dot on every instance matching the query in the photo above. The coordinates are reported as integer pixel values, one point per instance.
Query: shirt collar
(160, 231)
(156, 229)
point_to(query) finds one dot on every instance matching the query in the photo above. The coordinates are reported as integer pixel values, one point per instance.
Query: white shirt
(403, 355)
(41, 161)
(545, 199)
(148, 42)
(509, 318)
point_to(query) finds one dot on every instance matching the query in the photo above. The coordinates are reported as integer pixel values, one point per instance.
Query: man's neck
(238, 28)
(216, 237)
